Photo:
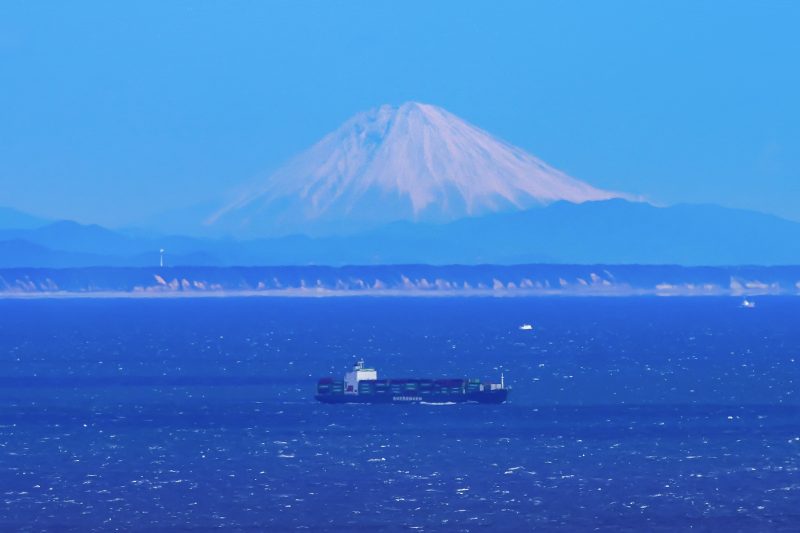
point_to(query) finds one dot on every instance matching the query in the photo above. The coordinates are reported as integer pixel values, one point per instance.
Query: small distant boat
(526, 327)
(748, 304)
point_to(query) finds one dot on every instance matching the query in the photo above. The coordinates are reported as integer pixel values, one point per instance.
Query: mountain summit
(415, 162)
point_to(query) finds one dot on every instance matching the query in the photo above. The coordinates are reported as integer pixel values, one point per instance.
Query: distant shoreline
(310, 294)
(406, 281)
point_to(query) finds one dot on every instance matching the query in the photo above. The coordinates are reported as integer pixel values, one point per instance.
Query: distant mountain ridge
(613, 231)
(416, 162)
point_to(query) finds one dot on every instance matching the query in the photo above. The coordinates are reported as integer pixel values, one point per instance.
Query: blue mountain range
(613, 231)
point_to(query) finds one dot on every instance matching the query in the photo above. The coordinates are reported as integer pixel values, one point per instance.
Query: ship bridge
(359, 373)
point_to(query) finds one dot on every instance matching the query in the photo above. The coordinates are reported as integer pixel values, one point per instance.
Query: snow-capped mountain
(415, 162)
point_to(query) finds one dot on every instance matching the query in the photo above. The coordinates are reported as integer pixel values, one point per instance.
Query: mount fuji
(412, 163)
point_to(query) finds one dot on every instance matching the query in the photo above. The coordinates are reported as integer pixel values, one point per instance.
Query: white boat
(526, 327)
(748, 304)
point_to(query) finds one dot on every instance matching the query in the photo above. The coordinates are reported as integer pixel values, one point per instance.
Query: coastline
(407, 281)
(378, 293)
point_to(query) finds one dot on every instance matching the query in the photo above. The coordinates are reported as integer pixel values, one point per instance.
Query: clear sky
(113, 111)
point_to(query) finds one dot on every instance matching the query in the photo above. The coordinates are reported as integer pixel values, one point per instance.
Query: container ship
(362, 385)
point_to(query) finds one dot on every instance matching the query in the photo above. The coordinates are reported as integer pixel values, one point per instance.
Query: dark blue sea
(626, 414)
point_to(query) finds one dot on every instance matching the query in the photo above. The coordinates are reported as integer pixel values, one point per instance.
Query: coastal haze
(400, 280)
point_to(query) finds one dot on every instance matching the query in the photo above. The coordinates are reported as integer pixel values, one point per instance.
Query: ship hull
(492, 397)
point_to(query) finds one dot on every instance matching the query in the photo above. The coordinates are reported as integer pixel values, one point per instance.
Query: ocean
(626, 414)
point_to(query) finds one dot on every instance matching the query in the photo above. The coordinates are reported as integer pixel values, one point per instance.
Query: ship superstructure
(361, 385)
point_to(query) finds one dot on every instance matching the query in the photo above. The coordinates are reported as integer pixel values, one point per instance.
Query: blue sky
(111, 112)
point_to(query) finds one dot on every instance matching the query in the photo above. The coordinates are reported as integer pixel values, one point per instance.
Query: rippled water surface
(635, 414)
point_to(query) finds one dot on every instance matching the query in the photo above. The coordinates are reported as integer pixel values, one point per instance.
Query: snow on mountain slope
(415, 162)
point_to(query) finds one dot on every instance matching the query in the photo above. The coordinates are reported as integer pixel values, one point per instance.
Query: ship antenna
(502, 380)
